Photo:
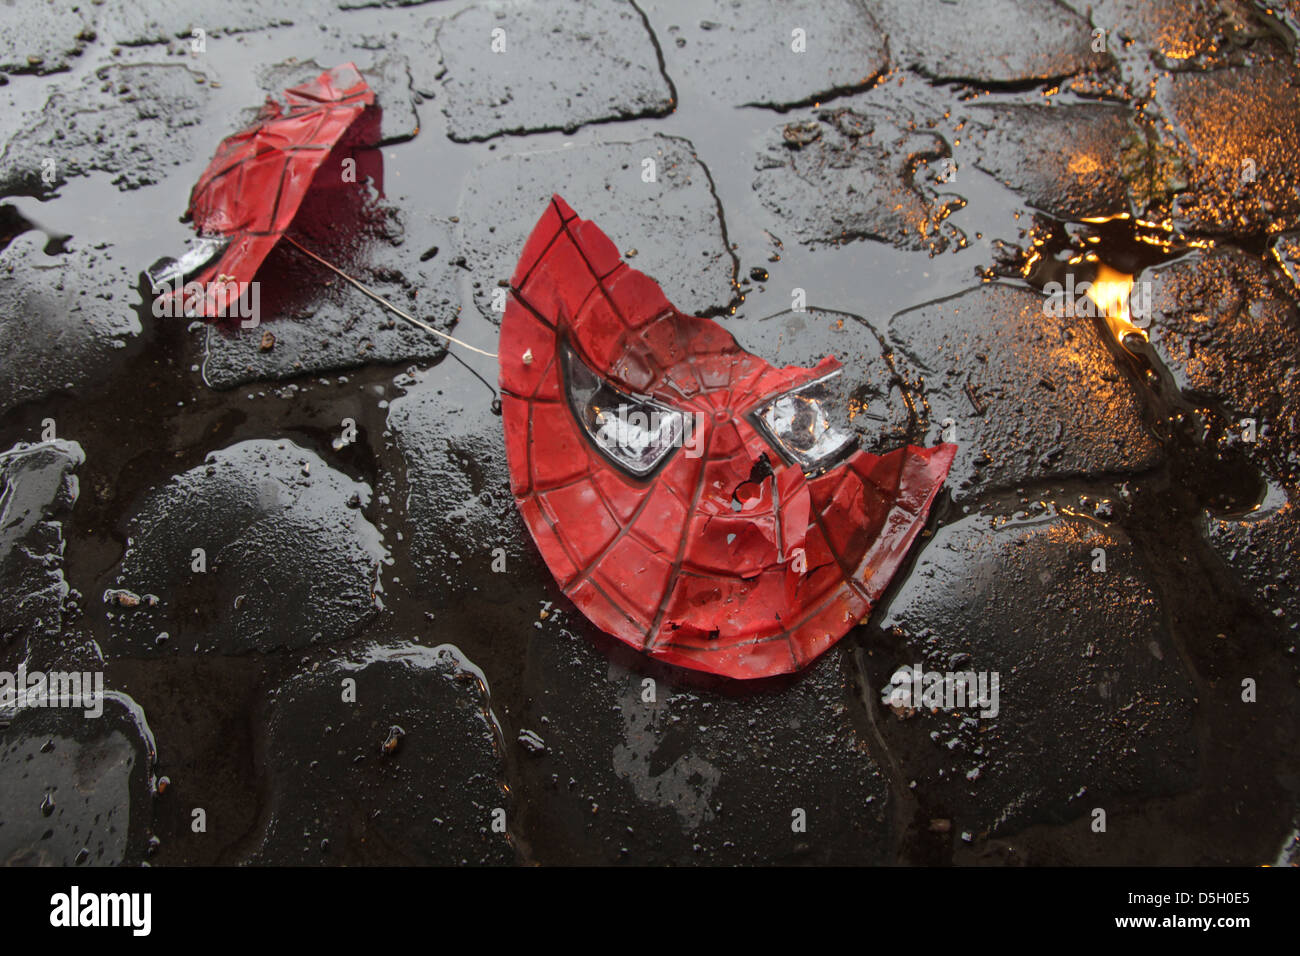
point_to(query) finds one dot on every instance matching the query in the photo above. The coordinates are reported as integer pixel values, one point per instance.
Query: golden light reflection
(1111, 290)
(1082, 164)
(1154, 233)
(1035, 256)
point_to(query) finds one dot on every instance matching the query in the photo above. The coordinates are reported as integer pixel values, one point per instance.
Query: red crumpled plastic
(255, 184)
(671, 564)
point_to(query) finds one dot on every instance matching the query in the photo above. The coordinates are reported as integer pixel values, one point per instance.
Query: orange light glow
(1111, 291)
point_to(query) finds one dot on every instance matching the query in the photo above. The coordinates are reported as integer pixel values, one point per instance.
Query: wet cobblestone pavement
(291, 550)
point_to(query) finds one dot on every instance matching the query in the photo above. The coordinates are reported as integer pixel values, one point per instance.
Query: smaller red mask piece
(724, 556)
(256, 181)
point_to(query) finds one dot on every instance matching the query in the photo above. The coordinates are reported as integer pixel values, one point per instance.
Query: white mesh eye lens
(637, 434)
(807, 424)
(202, 251)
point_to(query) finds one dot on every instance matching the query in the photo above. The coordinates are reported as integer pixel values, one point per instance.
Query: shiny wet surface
(916, 208)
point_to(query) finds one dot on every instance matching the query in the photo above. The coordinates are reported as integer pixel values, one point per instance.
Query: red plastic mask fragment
(255, 184)
(702, 544)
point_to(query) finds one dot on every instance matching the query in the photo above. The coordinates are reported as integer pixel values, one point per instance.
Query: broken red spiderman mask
(692, 500)
(251, 191)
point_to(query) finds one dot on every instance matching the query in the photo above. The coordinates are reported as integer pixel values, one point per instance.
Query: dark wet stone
(1174, 31)
(1261, 548)
(852, 173)
(1093, 704)
(673, 221)
(744, 54)
(1153, 172)
(1175, 34)
(37, 491)
(461, 521)
(288, 561)
(320, 322)
(880, 405)
(132, 122)
(41, 36)
(423, 59)
(1063, 160)
(1235, 131)
(77, 791)
(142, 22)
(1287, 12)
(988, 41)
(1225, 331)
(389, 76)
(338, 795)
(57, 330)
(1029, 395)
(601, 64)
(1286, 250)
(696, 775)
(1289, 855)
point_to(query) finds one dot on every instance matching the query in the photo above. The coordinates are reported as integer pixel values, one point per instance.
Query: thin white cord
(384, 302)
